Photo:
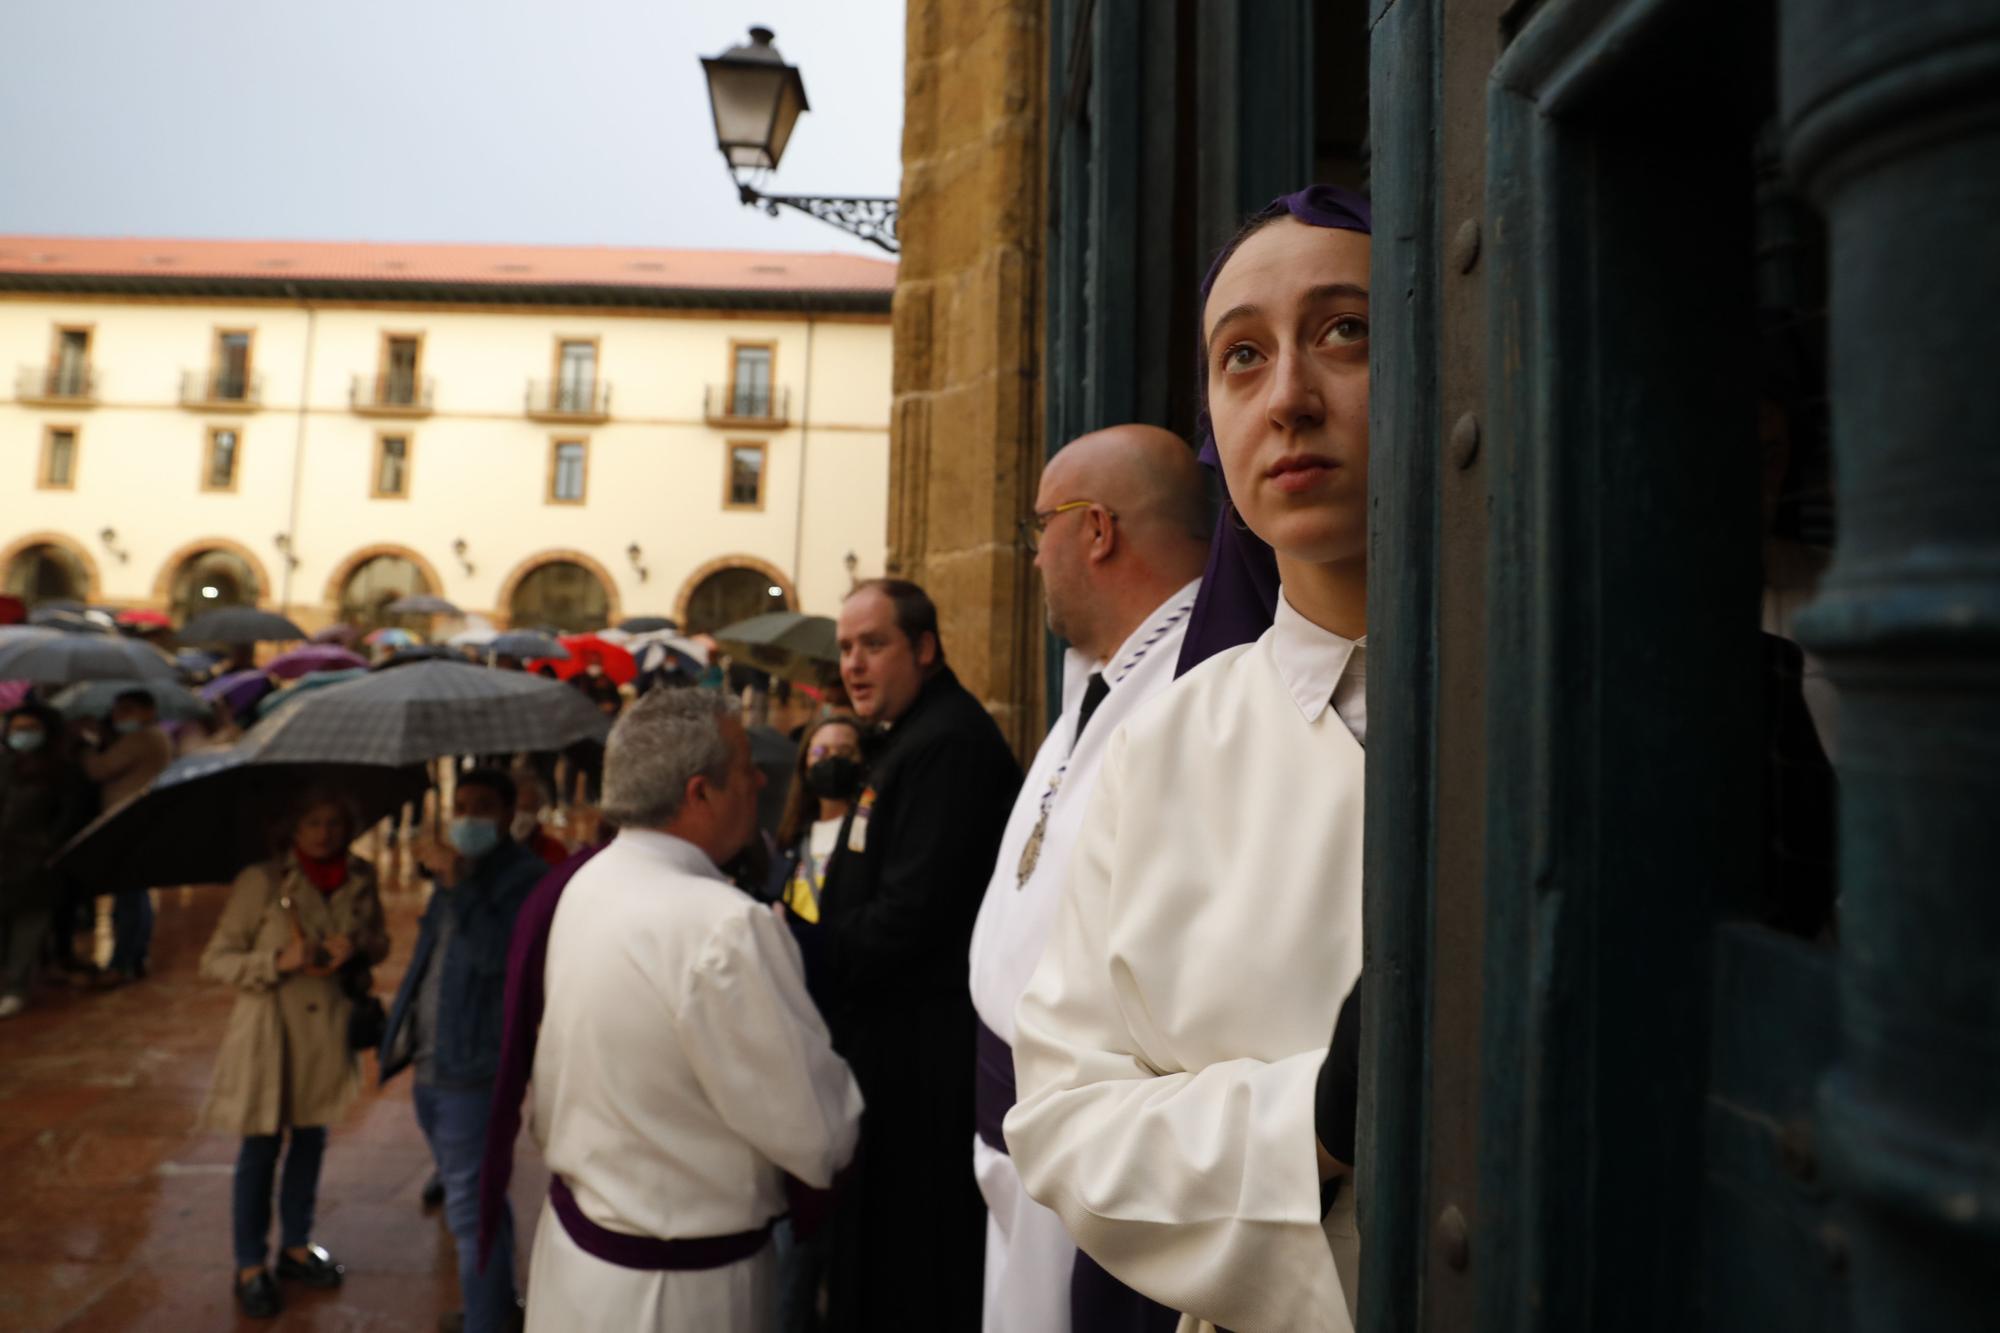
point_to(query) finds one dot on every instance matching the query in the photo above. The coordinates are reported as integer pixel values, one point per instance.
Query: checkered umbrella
(424, 711)
(55, 658)
(240, 624)
(210, 814)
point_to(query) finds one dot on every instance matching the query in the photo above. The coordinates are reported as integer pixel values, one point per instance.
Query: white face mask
(524, 826)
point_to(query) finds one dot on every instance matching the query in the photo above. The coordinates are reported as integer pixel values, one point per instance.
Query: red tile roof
(60, 260)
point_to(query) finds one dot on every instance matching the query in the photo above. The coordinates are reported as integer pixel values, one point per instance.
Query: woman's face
(323, 831)
(1287, 352)
(836, 738)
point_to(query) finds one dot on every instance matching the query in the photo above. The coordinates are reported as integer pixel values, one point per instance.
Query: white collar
(1077, 669)
(677, 853)
(1309, 659)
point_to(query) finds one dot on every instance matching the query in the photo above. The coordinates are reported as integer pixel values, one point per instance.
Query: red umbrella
(585, 649)
(140, 618)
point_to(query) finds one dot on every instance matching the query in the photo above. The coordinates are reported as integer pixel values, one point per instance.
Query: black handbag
(367, 1020)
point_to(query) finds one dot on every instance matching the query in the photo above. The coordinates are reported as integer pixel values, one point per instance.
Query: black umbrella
(647, 624)
(419, 652)
(422, 604)
(239, 624)
(426, 710)
(208, 815)
(784, 643)
(525, 644)
(55, 658)
(94, 698)
(70, 622)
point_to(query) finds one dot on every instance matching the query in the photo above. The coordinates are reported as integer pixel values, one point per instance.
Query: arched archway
(48, 567)
(565, 589)
(372, 577)
(732, 588)
(209, 575)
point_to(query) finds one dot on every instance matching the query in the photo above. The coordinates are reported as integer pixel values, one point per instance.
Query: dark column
(1892, 113)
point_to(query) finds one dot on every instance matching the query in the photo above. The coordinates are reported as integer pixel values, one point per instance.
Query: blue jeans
(131, 931)
(454, 1122)
(256, 1164)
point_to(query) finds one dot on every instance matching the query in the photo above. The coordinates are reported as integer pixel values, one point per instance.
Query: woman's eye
(1346, 331)
(1240, 356)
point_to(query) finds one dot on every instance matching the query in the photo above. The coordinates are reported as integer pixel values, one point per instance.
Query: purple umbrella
(337, 633)
(315, 657)
(239, 689)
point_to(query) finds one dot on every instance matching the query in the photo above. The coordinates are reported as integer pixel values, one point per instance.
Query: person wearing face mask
(43, 801)
(825, 782)
(446, 1021)
(1170, 1043)
(135, 753)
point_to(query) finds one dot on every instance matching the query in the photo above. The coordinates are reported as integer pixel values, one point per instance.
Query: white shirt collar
(677, 853)
(1315, 662)
(1077, 668)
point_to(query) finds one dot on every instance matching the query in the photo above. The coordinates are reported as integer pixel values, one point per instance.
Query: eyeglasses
(1035, 524)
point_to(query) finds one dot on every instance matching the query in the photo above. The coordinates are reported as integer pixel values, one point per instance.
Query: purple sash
(993, 1086)
(647, 1253)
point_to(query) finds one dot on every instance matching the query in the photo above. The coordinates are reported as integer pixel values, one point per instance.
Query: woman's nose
(1294, 400)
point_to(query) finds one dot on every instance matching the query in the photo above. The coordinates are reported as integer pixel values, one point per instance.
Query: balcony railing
(391, 395)
(742, 403)
(569, 400)
(221, 389)
(56, 384)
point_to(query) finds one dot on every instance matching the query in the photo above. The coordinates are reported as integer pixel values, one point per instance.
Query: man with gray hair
(682, 1069)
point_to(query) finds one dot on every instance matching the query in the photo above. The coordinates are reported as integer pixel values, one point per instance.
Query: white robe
(680, 1068)
(1028, 1253)
(1168, 1045)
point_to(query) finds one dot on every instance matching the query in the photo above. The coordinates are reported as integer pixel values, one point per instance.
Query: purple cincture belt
(993, 1092)
(648, 1253)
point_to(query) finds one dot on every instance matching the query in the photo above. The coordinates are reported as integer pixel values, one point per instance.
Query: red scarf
(325, 875)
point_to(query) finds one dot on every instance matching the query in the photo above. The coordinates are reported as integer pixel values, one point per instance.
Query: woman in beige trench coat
(291, 925)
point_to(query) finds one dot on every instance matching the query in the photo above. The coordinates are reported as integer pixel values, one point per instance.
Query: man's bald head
(1145, 475)
(1106, 568)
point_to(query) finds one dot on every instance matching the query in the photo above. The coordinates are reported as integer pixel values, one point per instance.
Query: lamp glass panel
(745, 95)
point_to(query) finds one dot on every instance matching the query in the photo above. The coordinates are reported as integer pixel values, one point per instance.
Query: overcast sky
(554, 121)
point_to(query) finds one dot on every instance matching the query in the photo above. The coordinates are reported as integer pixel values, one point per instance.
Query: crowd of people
(946, 1046)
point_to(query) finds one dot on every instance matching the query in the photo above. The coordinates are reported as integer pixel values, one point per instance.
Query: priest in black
(899, 903)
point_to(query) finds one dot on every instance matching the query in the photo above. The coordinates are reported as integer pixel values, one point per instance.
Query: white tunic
(680, 1068)
(1028, 1253)
(1168, 1044)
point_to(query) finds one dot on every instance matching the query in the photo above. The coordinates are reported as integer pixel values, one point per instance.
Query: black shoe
(317, 1269)
(433, 1194)
(259, 1296)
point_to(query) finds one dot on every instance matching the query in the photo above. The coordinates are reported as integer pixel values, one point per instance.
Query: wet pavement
(114, 1211)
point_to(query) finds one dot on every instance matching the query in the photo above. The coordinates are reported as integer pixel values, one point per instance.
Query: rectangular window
(69, 376)
(750, 380)
(230, 381)
(59, 459)
(392, 467)
(225, 449)
(746, 477)
(566, 472)
(576, 375)
(399, 370)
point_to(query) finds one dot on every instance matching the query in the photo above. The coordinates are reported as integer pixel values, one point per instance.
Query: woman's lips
(1298, 473)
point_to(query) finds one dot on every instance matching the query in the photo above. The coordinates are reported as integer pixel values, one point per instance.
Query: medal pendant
(1031, 854)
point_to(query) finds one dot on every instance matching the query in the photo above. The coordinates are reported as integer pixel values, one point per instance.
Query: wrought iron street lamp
(757, 98)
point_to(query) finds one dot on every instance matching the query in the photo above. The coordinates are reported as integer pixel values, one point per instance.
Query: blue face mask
(125, 726)
(474, 837)
(25, 742)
